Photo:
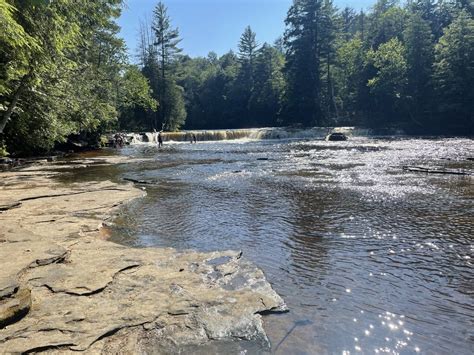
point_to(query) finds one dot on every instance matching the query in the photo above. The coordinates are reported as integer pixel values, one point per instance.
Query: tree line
(404, 65)
(407, 66)
(63, 71)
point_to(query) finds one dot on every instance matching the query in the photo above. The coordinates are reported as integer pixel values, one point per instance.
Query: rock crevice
(64, 289)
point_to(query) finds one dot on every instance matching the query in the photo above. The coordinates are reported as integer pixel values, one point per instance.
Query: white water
(251, 133)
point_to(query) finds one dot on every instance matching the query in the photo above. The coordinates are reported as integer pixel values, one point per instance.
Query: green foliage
(418, 40)
(269, 83)
(389, 83)
(159, 59)
(134, 90)
(3, 150)
(64, 71)
(351, 82)
(454, 72)
(60, 71)
(389, 60)
(386, 22)
(14, 42)
(331, 67)
(308, 41)
(175, 110)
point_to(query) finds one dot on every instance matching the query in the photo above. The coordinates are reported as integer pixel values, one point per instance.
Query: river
(368, 257)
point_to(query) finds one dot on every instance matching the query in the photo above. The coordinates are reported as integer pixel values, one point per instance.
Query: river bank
(63, 287)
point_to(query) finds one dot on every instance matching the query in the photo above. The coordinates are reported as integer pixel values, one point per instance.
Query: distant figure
(118, 140)
(194, 138)
(160, 140)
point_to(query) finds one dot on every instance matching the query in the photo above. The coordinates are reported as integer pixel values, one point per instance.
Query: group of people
(119, 140)
(160, 139)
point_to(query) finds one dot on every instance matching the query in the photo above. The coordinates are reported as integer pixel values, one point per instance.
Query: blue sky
(215, 25)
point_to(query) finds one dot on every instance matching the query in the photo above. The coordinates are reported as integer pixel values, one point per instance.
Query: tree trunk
(8, 113)
(163, 89)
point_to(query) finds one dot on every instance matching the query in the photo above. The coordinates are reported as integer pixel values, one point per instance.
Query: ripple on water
(369, 258)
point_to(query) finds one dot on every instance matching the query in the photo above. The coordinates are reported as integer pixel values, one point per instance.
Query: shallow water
(369, 258)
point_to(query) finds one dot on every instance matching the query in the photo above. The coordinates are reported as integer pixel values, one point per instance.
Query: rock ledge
(64, 289)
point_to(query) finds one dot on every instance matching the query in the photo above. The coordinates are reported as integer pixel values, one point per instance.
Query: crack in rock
(60, 346)
(90, 292)
(99, 297)
(9, 206)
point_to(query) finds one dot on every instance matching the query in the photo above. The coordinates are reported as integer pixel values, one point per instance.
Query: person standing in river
(160, 140)
(194, 138)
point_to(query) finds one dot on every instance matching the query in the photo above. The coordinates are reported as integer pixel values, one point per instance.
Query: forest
(64, 72)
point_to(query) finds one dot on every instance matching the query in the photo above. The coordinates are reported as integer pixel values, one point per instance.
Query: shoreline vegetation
(66, 81)
(65, 75)
(64, 288)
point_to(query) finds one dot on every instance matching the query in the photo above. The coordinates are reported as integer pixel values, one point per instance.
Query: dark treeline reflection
(407, 65)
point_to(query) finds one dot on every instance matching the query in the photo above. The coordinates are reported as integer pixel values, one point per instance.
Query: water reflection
(369, 258)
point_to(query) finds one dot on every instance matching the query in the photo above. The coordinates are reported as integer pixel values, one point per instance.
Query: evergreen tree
(248, 47)
(265, 100)
(419, 55)
(302, 100)
(166, 40)
(454, 74)
(309, 40)
(387, 21)
(348, 23)
(328, 39)
(243, 90)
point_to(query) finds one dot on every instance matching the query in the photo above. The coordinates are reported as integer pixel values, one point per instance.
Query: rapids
(369, 258)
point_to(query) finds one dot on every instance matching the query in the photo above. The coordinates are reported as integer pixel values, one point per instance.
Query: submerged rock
(62, 289)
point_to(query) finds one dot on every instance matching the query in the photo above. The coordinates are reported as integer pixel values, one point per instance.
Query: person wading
(160, 140)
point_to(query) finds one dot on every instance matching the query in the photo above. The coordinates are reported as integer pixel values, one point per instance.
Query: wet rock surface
(64, 289)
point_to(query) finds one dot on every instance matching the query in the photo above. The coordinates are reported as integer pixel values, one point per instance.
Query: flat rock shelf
(63, 288)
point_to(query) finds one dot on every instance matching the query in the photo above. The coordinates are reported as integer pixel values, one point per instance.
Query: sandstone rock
(15, 307)
(62, 289)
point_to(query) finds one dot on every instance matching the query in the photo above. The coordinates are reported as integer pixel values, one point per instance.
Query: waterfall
(142, 138)
(252, 134)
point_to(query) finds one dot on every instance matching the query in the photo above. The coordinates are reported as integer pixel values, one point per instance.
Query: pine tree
(243, 90)
(329, 35)
(386, 21)
(248, 47)
(166, 44)
(302, 101)
(419, 55)
(265, 100)
(454, 73)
